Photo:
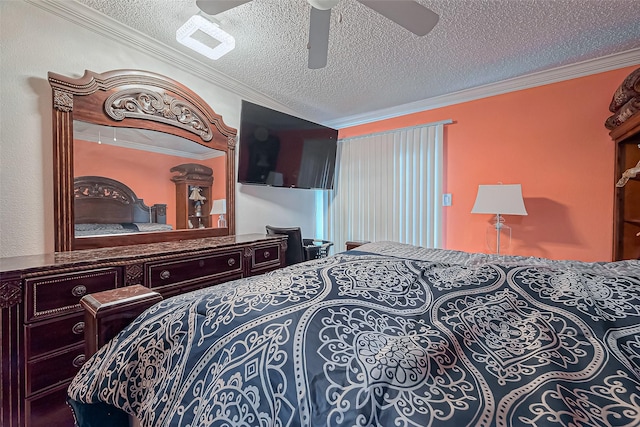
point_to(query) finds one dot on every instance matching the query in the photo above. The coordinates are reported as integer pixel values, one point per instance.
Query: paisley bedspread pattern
(373, 339)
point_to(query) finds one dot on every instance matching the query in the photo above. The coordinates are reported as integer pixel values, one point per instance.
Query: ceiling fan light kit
(409, 14)
(184, 36)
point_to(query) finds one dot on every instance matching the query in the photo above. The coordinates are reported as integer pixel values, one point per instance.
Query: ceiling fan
(407, 13)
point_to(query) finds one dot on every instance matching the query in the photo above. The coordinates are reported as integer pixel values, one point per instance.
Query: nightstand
(352, 244)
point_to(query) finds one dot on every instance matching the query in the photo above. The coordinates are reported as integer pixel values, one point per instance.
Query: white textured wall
(34, 42)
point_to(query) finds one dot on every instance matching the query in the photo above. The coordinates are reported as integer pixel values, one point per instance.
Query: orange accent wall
(134, 167)
(552, 140)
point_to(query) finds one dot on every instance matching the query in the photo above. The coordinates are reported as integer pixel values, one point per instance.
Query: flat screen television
(281, 150)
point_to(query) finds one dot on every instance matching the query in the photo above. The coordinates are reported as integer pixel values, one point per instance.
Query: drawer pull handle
(231, 262)
(78, 360)
(79, 291)
(266, 254)
(164, 274)
(78, 328)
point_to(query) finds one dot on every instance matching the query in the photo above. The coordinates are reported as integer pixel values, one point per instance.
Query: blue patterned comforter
(389, 335)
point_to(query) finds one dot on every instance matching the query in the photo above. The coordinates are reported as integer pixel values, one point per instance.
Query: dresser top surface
(123, 253)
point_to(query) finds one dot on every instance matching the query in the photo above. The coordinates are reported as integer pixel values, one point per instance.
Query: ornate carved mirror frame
(167, 106)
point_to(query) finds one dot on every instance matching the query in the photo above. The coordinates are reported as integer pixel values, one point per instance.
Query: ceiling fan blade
(406, 13)
(213, 7)
(319, 24)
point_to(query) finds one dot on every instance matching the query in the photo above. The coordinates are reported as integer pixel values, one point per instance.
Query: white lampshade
(196, 195)
(275, 179)
(499, 199)
(219, 207)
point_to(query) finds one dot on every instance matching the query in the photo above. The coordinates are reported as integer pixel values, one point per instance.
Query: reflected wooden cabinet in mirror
(193, 195)
(132, 127)
(43, 324)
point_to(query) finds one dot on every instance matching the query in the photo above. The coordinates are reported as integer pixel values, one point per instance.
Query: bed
(386, 334)
(105, 206)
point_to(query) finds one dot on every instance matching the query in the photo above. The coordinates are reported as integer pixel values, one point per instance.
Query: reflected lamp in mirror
(196, 194)
(275, 179)
(498, 200)
(198, 199)
(220, 208)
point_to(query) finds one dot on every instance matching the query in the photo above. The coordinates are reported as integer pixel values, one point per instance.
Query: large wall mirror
(138, 158)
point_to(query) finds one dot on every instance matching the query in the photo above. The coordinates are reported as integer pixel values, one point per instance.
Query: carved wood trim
(92, 82)
(12, 405)
(62, 101)
(133, 274)
(10, 293)
(248, 252)
(106, 190)
(63, 179)
(161, 107)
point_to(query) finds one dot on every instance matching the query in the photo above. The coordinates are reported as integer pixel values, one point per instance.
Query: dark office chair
(299, 249)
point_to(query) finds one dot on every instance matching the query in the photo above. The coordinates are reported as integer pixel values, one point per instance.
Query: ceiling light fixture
(184, 36)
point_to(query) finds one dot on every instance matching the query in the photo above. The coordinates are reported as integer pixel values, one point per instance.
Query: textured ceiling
(374, 64)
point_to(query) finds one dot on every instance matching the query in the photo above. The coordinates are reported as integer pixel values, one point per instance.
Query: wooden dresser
(42, 322)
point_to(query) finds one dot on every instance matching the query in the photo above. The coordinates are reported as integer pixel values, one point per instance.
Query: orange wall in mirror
(134, 167)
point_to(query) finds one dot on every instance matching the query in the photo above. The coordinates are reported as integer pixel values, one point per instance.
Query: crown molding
(109, 28)
(567, 72)
(123, 143)
(99, 23)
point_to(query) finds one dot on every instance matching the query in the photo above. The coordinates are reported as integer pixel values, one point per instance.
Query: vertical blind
(388, 187)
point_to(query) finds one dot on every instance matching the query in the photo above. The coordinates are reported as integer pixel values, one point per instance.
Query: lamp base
(222, 222)
(498, 236)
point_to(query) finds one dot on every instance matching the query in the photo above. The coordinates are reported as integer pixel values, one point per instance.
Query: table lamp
(499, 200)
(220, 208)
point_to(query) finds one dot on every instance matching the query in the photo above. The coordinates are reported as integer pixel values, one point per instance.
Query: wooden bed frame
(101, 200)
(108, 312)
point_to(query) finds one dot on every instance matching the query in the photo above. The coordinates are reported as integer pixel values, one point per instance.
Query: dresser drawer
(49, 336)
(265, 257)
(59, 294)
(49, 409)
(193, 270)
(177, 290)
(51, 371)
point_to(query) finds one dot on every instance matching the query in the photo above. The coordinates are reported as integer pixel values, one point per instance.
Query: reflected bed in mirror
(134, 127)
(104, 206)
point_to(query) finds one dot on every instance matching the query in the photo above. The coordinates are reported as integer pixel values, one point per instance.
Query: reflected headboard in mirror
(104, 206)
(122, 124)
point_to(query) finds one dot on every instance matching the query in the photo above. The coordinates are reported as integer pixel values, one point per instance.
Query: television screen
(281, 150)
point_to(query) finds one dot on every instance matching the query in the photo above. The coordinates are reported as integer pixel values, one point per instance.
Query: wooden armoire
(624, 125)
